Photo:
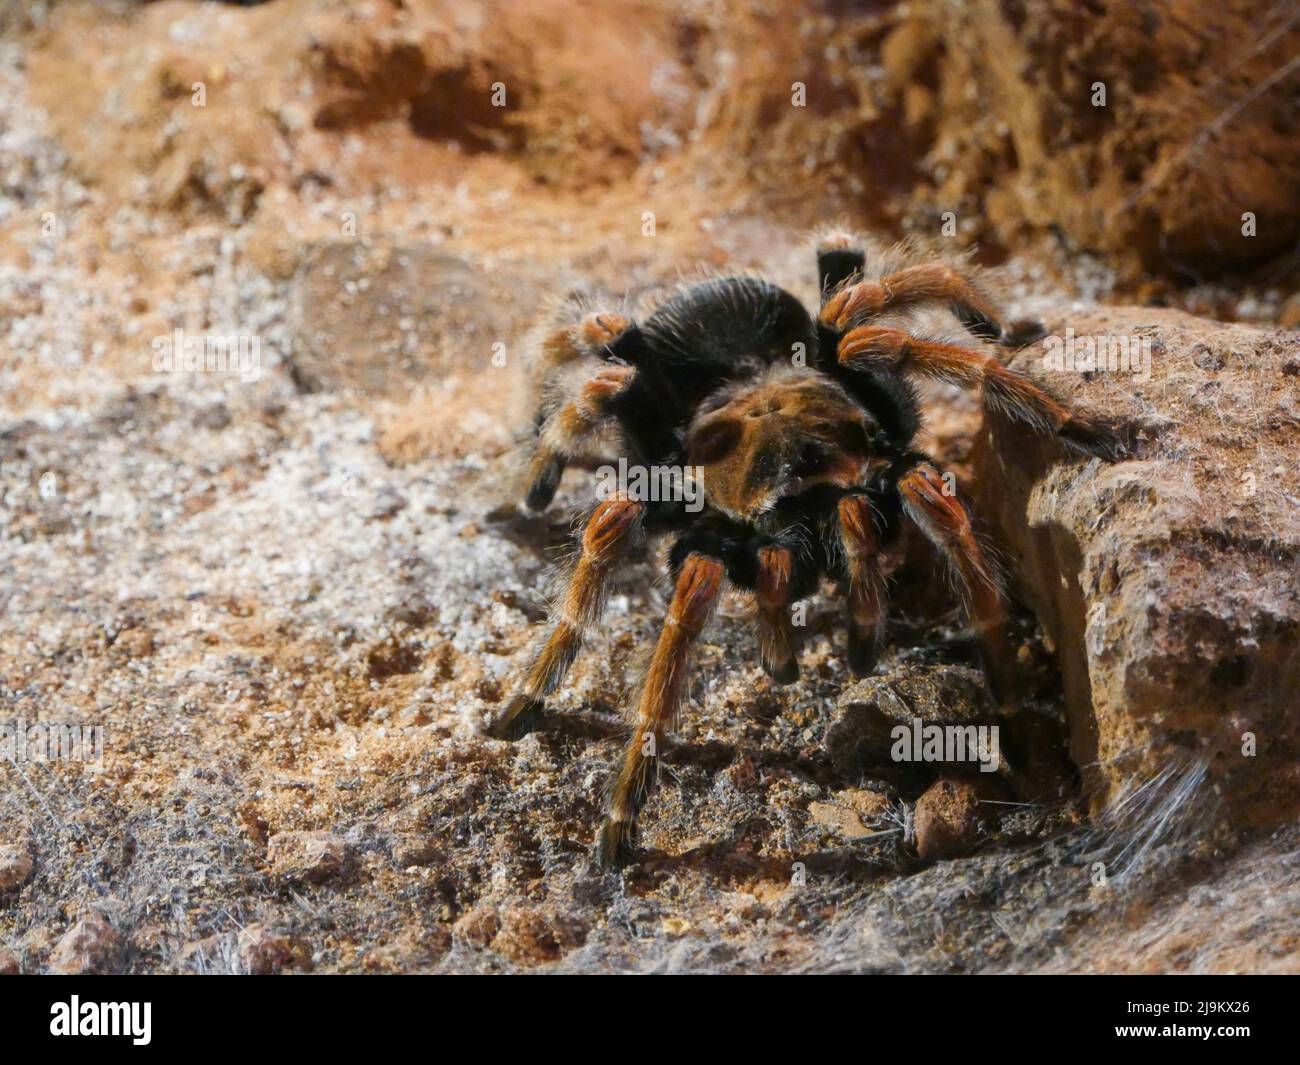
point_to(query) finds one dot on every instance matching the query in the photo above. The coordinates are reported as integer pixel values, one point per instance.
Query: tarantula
(803, 429)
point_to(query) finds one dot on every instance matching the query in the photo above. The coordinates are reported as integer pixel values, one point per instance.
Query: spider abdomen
(728, 328)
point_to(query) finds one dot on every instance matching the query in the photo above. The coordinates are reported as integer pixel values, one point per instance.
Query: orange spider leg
(1011, 393)
(944, 520)
(585, 337)
(866, 590)
(776, 642)
(912, 287)
(698, 585)
(606, 538)
(568, 430)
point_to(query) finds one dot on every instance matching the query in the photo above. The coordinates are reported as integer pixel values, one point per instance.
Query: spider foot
(977, 322)
(1093, 437)
(545, 482)
(521, 716)
(1023, 332)
(616, 844)
(786, 672)
(863, 651)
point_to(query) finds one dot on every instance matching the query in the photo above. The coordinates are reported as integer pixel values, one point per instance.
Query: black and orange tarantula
(803, 429)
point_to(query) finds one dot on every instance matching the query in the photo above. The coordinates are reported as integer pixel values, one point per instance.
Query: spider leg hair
(575, 385)
(860, 542)
(569, 430)
(942, 516)
(840, 258)
(776, 639)
(609, 532)
(699, 583)
(1011, 393)
(919, 285)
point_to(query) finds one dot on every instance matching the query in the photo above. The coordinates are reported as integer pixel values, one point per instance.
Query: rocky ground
(292, 598)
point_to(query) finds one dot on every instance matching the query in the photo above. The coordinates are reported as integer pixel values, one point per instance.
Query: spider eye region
(785, 461)
(778, 439)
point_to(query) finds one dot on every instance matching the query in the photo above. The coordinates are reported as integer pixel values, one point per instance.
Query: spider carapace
(800, 431)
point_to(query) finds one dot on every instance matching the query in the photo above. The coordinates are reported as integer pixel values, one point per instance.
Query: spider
(801, 430)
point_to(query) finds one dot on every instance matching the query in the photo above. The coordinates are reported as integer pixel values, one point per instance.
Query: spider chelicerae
(800, 430)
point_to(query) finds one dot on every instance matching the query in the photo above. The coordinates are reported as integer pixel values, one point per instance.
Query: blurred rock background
(291, 601)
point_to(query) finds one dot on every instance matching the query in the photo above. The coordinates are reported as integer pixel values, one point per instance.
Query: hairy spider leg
(860, 541)
(838, 260)
(1005, 390)
(569, 429)
(608, 534)
(698, 585)
(563, 432)
(915, 286)
(773, 592)
(942, 516)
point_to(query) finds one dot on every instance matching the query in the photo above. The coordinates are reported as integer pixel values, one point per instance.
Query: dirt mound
(1141, 133)
(203, 106)
(1162, 140)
